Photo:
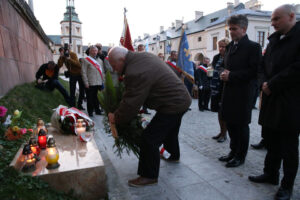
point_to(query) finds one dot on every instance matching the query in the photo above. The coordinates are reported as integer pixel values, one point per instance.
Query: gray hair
(116, 53)
(240, 20)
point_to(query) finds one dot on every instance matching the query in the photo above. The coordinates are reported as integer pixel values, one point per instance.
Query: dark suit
(242, 62)
(280, 111)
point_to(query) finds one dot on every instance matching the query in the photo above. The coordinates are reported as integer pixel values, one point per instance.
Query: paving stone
(204, 192)
(199, 173)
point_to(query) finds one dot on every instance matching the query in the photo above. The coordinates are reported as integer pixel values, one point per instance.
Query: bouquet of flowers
(13, 131)
(129, 135)
(64, 119)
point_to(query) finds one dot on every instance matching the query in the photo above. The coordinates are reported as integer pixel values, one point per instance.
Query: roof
(55, 39)
(74, 15)
(204, 22)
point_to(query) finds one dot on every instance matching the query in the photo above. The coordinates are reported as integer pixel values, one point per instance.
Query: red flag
(126, 37)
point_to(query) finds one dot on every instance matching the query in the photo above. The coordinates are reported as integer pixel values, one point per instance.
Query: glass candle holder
(80, 127)
(42, 139)
(29, 159)
(52, 155)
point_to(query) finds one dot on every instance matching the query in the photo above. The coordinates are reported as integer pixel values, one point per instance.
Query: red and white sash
(174, 66)
(203, 68)
(95, 64)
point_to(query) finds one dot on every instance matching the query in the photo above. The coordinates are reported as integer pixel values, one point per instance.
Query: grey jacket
(90, 74)
(149, 81)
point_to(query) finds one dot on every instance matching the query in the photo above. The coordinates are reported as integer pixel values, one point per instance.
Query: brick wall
(23, 45)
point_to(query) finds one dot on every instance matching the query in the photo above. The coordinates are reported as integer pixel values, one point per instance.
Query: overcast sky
(102, 21)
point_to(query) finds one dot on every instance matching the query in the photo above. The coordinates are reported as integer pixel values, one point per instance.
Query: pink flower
(3, 111)
(31, 130)
(23, 131)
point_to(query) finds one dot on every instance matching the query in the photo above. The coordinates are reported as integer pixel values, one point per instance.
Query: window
(160, 46)
(199, 39)
(213, 19)
(261, 38)
(67, 30)
(215, 39)
(78, 30)
(152, 48)
(78, 48)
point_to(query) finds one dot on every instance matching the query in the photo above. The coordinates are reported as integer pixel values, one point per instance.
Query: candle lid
(26, 149)
(42, 132)
(51, 142)
(32, 141)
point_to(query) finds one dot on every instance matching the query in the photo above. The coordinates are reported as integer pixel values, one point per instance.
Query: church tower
(76, 45)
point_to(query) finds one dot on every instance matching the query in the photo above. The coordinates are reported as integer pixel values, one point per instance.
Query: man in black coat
(280, 107)
(203, 83)
(241, 60)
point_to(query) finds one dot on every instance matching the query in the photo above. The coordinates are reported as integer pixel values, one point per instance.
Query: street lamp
(70, 4)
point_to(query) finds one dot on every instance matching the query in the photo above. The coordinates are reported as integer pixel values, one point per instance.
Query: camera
(67, 74)
(66, 50)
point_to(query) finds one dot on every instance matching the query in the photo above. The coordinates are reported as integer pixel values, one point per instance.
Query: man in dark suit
(280, 108)
(241, 60)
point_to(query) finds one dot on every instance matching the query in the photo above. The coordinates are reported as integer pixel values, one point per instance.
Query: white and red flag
(126, 37)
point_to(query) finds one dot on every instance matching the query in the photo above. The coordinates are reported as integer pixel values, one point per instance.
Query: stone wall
(23, 45)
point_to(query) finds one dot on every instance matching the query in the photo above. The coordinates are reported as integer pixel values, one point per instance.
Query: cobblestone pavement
(199, 175)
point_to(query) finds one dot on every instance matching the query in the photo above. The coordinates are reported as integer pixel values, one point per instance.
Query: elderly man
(149, 81)
(280, 108)
(241, 60)
(93, 79)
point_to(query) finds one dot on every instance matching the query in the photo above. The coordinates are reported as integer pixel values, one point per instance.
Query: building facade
(204, 32)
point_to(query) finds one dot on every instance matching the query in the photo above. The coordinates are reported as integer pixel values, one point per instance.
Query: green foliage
(129, 139)
(34, 104)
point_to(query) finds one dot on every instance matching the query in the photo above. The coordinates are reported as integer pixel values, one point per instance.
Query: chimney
(178, 23)
(198, 14)
(297, 7)
(236, 2)
(230, 8)
(173, 25)
(30, 3)
(161, 29)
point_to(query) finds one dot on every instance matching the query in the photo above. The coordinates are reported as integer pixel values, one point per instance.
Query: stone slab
(81, 167)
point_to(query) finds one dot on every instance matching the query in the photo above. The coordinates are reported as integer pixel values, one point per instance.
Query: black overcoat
(237, 97)
(281, 70)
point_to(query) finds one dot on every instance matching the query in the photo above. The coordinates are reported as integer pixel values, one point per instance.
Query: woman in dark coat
(217, 87)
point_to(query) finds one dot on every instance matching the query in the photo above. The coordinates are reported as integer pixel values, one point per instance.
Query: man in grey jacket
(149, 81)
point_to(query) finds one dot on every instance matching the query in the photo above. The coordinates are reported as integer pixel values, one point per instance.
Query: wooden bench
(81, 167)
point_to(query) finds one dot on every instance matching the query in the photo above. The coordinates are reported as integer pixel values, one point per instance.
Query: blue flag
(184, 56)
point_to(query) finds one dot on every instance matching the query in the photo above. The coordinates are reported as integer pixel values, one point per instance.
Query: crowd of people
(239, 70)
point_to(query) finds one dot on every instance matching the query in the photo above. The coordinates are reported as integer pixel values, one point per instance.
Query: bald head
(116, 58)
(284, 18)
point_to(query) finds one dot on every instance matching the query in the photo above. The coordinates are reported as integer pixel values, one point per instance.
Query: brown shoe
(142, 181)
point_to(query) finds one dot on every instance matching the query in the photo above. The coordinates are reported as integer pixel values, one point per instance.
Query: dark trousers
(282, 146)
(163, 129)
(239, 139)
(73, 80)
(54, 83)
(203, 98)
(92, 98)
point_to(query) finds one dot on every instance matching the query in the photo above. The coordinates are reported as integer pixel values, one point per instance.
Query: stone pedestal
(81, 167)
